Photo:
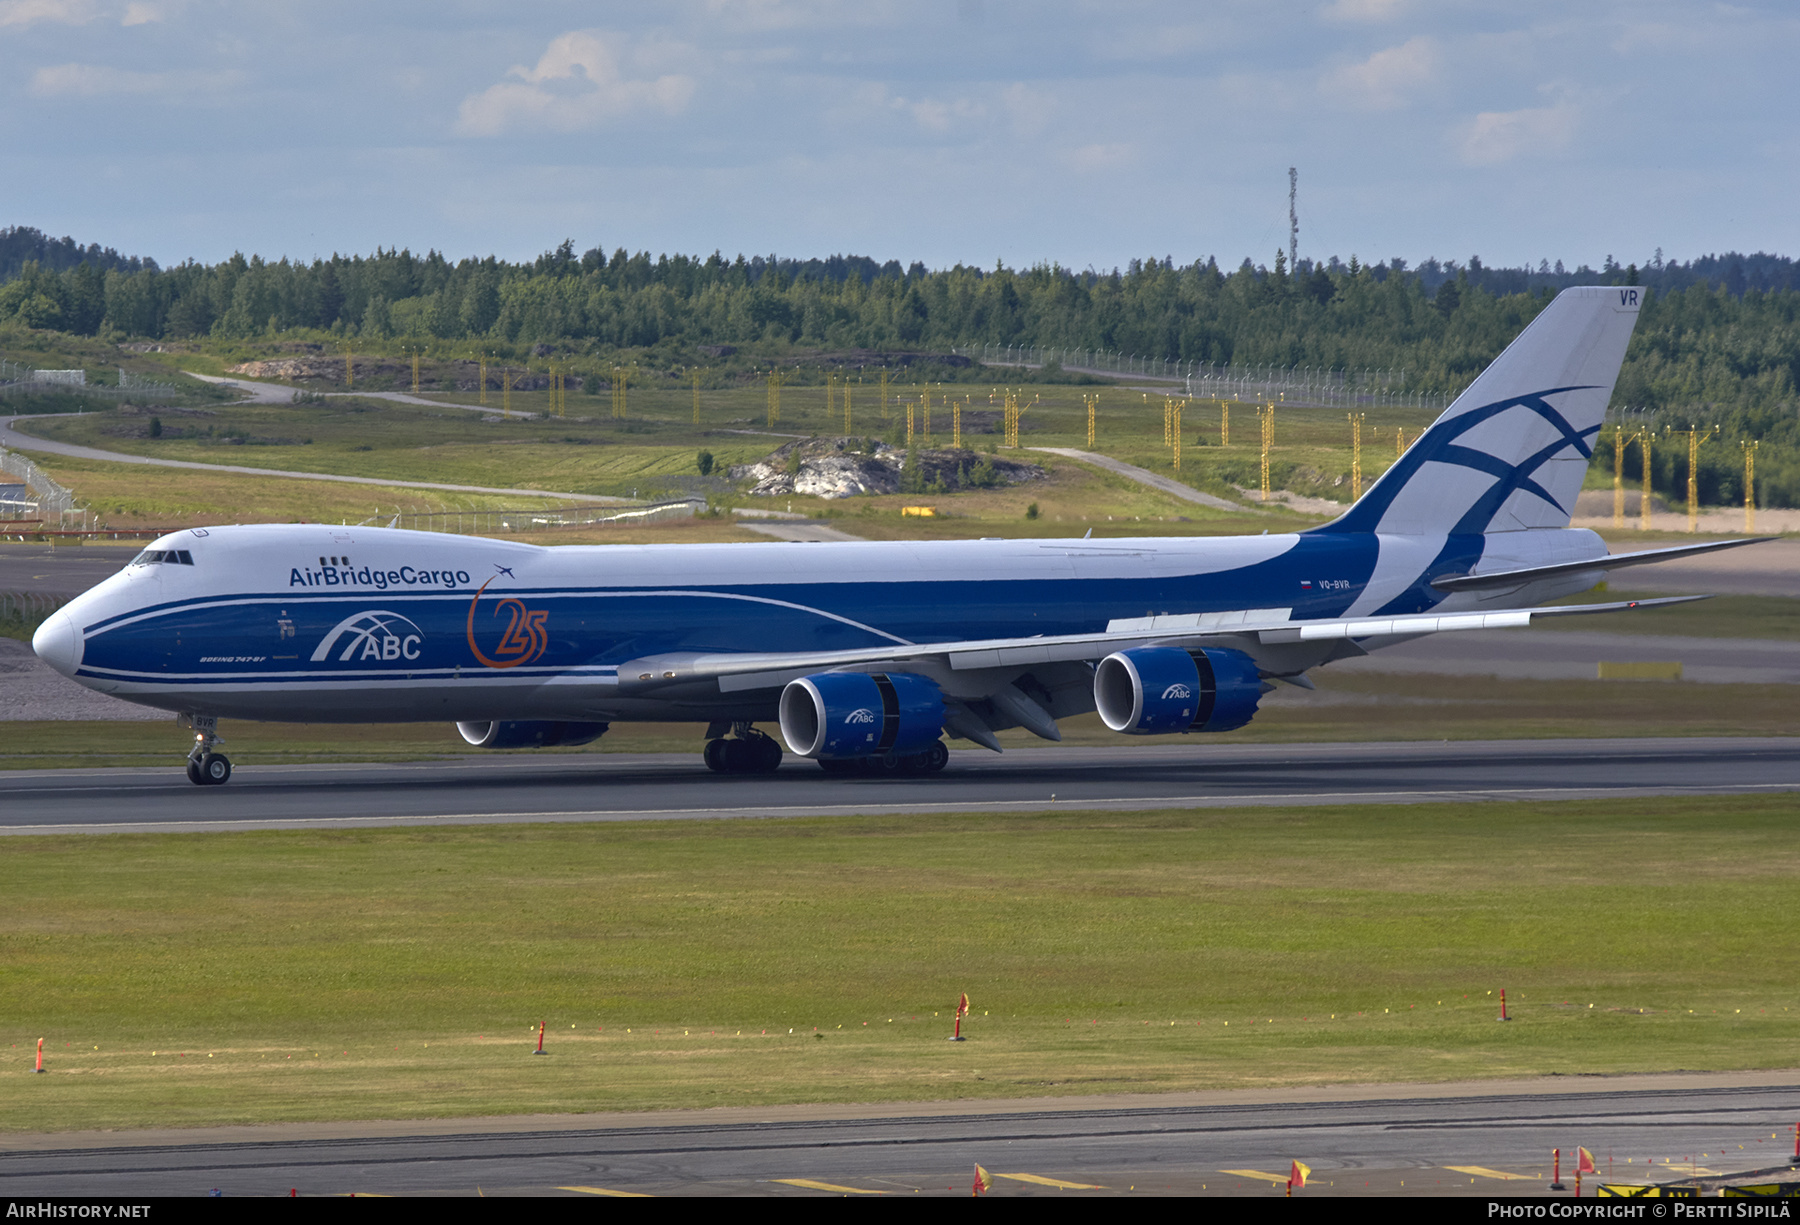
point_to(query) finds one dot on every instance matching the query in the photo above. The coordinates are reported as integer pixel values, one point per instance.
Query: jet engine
(837, 716)
(1151, 691)
(533, 734)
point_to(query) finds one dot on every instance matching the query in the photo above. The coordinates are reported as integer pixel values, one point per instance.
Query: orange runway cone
(40, 1061)
(962, 1009)
(540, 1045)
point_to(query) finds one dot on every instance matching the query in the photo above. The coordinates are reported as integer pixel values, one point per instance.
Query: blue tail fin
(1510, 453)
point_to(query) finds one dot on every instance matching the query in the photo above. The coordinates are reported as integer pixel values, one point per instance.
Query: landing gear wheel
(913, 764)
(929, 761)
(767, 757)
(739, 756)
(205, 768)
(754, 753)
(215, 769)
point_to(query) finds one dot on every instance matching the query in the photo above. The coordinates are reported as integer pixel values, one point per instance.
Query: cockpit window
(166, 557)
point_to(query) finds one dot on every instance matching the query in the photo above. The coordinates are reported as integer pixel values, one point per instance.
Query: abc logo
(860, 715)
(376, 634)
(1177, 692)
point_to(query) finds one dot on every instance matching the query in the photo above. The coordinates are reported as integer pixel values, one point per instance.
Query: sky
(946, 131)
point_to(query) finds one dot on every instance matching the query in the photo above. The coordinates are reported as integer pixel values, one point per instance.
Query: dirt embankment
(388, 373)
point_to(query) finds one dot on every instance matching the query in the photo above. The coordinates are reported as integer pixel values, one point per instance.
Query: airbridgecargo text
(1638, 1210)
(405, 576)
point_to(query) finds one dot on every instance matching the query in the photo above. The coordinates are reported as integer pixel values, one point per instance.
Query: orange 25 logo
(525, 638)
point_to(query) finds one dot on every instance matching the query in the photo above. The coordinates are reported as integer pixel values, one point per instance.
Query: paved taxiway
(617, 787)
(1419, 1140)
(60, 569)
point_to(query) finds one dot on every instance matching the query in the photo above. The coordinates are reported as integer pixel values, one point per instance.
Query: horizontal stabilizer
(1613, 561)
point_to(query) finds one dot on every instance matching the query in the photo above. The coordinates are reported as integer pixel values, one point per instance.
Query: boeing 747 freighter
(868, 654)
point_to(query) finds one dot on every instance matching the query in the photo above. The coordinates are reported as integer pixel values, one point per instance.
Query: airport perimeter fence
(16, 378)
(479, 522)
(27, 609)
(1312, 385)
(53, 502)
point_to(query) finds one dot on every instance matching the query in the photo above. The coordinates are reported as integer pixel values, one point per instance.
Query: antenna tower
(1293, 221)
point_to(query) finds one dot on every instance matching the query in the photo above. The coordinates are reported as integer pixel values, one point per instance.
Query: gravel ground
(31, 691)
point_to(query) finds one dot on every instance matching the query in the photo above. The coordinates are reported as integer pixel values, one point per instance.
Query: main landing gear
(205, 768)
(747, 752)
(930, 761)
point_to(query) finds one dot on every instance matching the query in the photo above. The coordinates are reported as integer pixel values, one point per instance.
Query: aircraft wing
(739, 672)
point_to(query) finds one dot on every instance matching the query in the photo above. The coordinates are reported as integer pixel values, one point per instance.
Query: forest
(1718, 342)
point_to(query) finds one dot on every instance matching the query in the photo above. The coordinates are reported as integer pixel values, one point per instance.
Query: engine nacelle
(833, 716)
(1152, 691)
(532, 734)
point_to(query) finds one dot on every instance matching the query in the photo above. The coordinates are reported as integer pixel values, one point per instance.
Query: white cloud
(1364, 10)
(578, 83)
(138, 13)
(98, 80)
(1031, 109)
(1385, 80)
(936, 116)
(1493, 137)
(1098, 158)
(30, 12)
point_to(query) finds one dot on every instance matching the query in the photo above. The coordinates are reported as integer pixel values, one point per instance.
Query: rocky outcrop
(846, 467)
(823, 468)
(292, 369)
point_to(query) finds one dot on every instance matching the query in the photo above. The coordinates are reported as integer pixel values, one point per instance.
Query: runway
(630, 787)
(1468, 1140)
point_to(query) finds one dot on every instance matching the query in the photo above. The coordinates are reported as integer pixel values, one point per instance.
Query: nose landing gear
(205, 768)
(747, 752)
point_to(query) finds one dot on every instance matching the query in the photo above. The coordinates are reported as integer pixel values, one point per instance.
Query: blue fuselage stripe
(555, 630)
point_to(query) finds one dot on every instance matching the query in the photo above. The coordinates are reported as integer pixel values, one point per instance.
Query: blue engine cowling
(1151, 691)
(532, 734)
(833, 716)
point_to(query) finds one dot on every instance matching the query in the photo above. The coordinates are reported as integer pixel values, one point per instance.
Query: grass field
(190, 979)
(1075, 498)
(587, 451)
(128, 495)
(405, 442)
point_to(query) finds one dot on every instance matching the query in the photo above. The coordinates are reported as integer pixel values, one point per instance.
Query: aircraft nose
(58, 643)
